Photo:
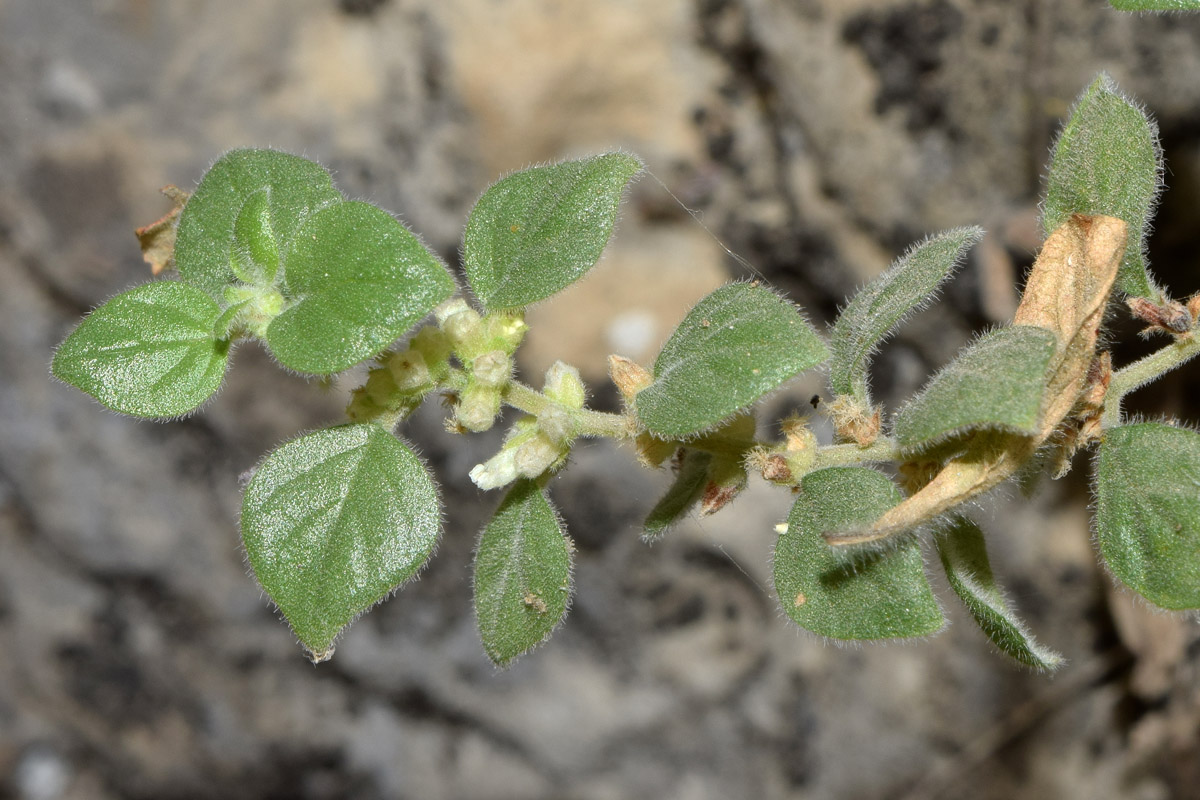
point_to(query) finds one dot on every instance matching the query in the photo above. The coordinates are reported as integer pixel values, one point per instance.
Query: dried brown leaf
(157, 239)
(1066, 293)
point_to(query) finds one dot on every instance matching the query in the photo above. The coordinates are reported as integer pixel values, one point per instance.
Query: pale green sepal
(333, 522)
(1107, 160)
(150, 352)
(964, 556)
(683, 495)
(1148, 511)
(522, 574)
(359, 280)
(880, 595)
(536, 232)
(907, 286)
(204, 246)
(997, 383)
(736, 345)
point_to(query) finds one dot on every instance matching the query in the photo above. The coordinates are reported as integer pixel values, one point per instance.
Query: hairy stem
(1143, 371)
(590, 423)
(842, 455)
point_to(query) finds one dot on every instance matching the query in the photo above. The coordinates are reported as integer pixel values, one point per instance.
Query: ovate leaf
(685, 492)
(964, 557)
(255, 255)
(1108, 161)
(293, 187)
(735, 346)
(359, 280)
(1148, 511)
(1156, 5)
(882, 595)
(538, 231)
(886, 301)
(995, 383)
(333, 522)
(149, 352)
(522, 574)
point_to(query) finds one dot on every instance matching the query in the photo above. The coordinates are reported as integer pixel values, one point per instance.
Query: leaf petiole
(1146, 370)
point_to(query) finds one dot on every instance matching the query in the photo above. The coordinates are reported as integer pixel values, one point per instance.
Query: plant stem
(839, 455)
(591, 423)
(1143, 371)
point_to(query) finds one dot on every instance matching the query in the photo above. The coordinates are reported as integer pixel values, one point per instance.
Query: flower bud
(556, 423)
(409, 371)
(477, 407)
(499, 470)
(434, 347)
(459, 321)
(492, 369)
(380, 387)
(449, 308)
(362, 408)
(536, 455)
(563, 385)
(505, 330)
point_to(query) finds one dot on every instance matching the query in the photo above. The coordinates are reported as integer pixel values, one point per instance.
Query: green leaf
(1108, 161)
(522, 574)
(1156, 5)
(1148, 511)
(149, 352)
(682, 497)
(885, 302)
(964, 556)
(738, 344)
(333, 522)
(880, 595)
(255, 255)
(536, 232)
(995, 383)
(360, 280)
(205, 245)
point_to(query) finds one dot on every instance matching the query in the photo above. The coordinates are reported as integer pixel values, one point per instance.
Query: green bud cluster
(539, 443)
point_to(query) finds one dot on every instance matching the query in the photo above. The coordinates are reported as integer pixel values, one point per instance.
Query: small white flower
(499, 470)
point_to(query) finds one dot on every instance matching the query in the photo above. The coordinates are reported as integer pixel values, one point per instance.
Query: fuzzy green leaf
(360, 281)
(150, 352)
(735, 346)
(1107, 160)
(536, 232)
(294, 188)
(881, 595)
(1156, 5)
(886, 301)
(996, 383)
(522, 574)
(1148, 511)
(333, 522)
(964, 556)
(684, 494)
(255, 255)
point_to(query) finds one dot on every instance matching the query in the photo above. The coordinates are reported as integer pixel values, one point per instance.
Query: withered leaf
(1066, 293)
(157, 239)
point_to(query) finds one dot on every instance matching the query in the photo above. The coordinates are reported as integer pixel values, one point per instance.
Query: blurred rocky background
(814, 138)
